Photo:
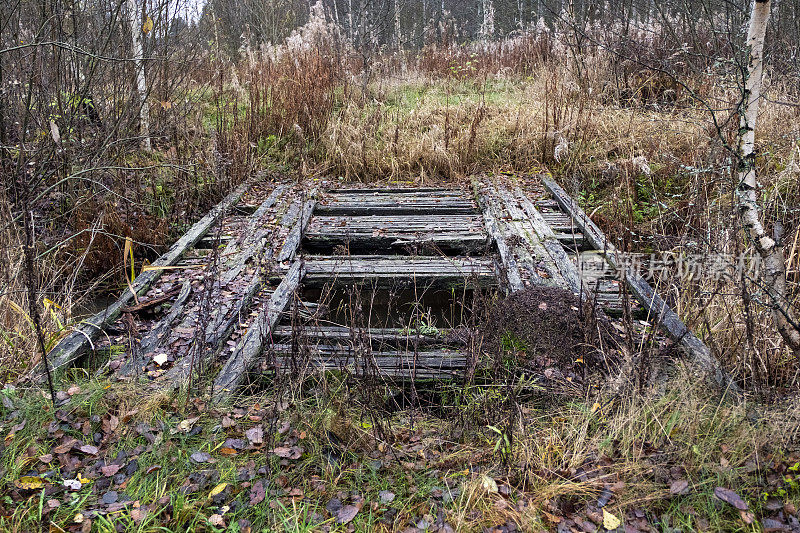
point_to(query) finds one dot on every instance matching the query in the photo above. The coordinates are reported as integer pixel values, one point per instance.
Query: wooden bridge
(235, 294)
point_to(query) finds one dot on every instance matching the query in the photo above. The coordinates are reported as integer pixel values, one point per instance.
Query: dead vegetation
(636, 147)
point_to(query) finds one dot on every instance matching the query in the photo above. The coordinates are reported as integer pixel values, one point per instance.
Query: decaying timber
(232, 311)
(84, 337)
(253, 343)
(658, 308)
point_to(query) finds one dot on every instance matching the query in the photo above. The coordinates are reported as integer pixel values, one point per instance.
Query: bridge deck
(232, 295)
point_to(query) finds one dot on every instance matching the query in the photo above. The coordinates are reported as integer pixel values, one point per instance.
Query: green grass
(641, 441)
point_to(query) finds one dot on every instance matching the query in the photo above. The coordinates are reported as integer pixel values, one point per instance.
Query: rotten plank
(551, 243)
(292, 242)
(510, 267)
(657, 307)
(84, 336)
(251, 346)
(154, 337)
(400, 269)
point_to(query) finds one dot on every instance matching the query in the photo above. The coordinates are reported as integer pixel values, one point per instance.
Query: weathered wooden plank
(378, 337)
(394, 190)
(154, 337)
(521, 225)
(400, 269)
(82, 339)
(574, 242)
(292, 242)
(439, 364)
(457, 198)
(218, 330)
(229, 310)
(510, 266)
(551, 244)
(250, 233)
(658, 308)
(251, 346)
(432, 223)
(395, 210)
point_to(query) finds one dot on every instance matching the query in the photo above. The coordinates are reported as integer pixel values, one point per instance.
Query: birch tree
(135, 21)
(769, 248)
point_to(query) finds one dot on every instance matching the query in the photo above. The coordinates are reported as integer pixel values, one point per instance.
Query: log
(227, 315)
(83, 338)
(460, 233)
(218, 330)
(656, 306)
(396, 364)
(378, 337)
(251, 346)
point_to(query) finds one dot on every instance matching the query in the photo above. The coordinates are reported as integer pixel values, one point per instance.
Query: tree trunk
(398, 38)
(487, 28)
(770, 250)
(135, 21)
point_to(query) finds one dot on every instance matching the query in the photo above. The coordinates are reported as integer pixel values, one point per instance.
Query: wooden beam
(85, 335)
(400, 270)
(510, 267)
(393, 364)
(292, 243)
(252, 345)
(657, 307)
(551, 244)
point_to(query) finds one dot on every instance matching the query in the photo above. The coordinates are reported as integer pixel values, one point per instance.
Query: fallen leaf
(110, 497)
(730, 497)
(46, 458)
(52, 504)
(73, 390)
(257, 493)
(386, 496)
(346, 514)
(489, 484)
(72, 484)
(610, 522)
(216, 520)
(110, 470)
(681, 486)
(160, 359)
(201, 457)
(218, 489)
(152, 469)
(747, 516)
(29, 483)
(65, 447)
(110, 424)
(186, 425)
(288, 452)
(88, 449)
(138, 515)
(255, 435)
(227, 451)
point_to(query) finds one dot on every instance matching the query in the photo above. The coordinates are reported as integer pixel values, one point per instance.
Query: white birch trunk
(770, 251)
(135, 21)
(398, 38)
(487, 28)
